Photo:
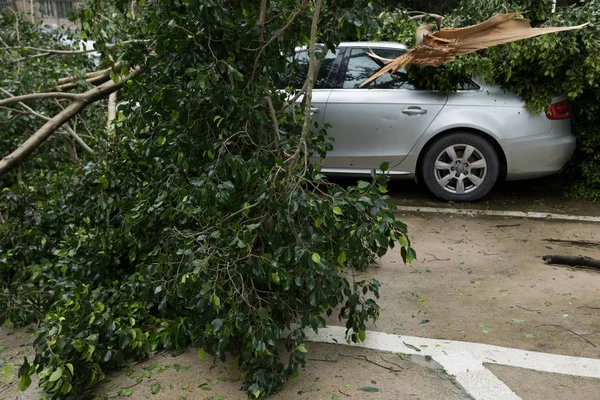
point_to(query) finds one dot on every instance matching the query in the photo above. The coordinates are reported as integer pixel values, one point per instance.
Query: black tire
(475, 182)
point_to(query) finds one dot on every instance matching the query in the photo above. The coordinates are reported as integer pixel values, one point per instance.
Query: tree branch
(34, 141)
(306, 128)
(34, 96)
(94, 78)
(273, 117)
(69, 130)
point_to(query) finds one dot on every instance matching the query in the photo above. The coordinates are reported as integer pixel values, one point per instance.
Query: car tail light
(560, 110)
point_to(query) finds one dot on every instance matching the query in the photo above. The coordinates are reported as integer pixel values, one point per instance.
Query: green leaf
(155, 388)
(362, 335)
(518, 321)
(341, 258)
(56, 375)
(161, 140)
(201, 354)
(125, 392)
(369, 389)
(275, 277)
(410, 346)
(132, 254)
(263, 313)
(316, 258)
(363, 184)
(24, 383)
(337, 210)
(301, 348)
(104, 182)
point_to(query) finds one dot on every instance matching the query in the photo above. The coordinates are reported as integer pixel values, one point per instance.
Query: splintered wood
(449, 43)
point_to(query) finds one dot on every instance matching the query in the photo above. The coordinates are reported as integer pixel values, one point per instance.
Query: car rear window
(302, 61)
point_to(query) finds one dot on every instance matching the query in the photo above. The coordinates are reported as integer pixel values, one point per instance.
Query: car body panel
(383, 133)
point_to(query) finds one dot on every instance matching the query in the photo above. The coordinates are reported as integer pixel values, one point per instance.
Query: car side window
(322, 81)
(361, 66)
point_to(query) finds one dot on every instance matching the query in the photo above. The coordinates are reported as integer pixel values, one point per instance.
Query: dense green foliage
(536, 69)
(195, 224)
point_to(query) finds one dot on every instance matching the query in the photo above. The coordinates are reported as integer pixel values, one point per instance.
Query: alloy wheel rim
(460, 168)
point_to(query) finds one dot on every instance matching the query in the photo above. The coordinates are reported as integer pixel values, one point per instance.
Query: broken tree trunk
(572, 261)
(449, 43)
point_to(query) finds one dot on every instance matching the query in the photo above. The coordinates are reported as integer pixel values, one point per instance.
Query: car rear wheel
(460, 167)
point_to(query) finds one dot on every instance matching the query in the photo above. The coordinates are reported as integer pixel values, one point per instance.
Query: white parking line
(465, 360)
(500, 213)
(474, 378)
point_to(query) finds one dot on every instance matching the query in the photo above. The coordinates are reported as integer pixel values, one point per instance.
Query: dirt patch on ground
(534, 385)
(14, 345)
(477, 282)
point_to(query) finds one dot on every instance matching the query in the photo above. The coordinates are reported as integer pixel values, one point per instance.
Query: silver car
(459, 145)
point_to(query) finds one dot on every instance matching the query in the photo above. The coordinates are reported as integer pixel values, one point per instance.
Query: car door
(380, 122)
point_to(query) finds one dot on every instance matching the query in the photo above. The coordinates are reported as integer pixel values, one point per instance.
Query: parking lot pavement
(483, 280)
(504, 324)
(536, 195)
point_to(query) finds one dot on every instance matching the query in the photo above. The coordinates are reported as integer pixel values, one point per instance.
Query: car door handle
(314, 110)
(414, 111)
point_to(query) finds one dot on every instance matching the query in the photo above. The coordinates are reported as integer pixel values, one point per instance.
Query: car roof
(384, 45)
(380, 45)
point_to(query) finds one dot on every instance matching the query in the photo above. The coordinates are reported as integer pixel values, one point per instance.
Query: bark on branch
(307, 127)
(95, 77)
(36, 96)
(34, 141)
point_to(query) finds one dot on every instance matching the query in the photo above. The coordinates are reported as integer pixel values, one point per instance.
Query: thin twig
(393, 363)
(345, 394)
(574, 333)
(363, 357)
(321, 359)
(507, 226)
(588, 243)
(8, 386)
(436, 259)
(527, 309)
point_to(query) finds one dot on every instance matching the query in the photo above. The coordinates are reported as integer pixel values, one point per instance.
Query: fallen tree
(202, 222)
